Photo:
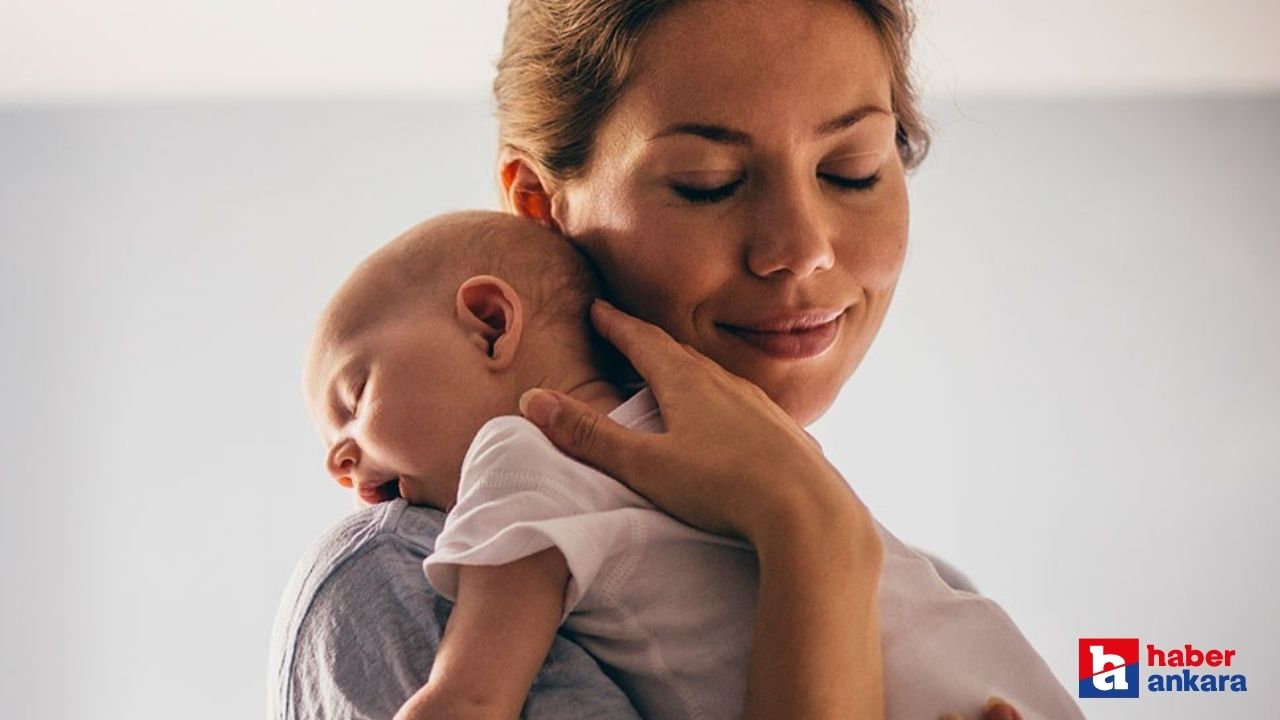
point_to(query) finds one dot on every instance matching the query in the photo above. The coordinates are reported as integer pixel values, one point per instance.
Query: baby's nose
(341, 462)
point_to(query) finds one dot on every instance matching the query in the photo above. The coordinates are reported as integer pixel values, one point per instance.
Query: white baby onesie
(668, 610)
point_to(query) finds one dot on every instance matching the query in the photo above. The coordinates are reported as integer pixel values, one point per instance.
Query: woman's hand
(996, 709)
(731, 461)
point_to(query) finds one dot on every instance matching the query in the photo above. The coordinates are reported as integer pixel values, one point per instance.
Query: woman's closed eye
(853, 171)
(851, 183)
(701, 195)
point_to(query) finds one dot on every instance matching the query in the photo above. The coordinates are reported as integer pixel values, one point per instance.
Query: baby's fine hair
(427, 263)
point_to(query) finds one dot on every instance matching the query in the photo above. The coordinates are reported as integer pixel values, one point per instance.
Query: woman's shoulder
(357, 600)
(359, 624)
(360, 562)
(365, 541)
(949, 573)
(905, 555)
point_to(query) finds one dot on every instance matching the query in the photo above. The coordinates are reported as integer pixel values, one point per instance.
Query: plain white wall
(120, 50)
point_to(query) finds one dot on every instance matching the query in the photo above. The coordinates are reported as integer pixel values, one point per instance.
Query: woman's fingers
(995, 709)
(998, 709)
(581, 432)
(654, 354)
(726, 445)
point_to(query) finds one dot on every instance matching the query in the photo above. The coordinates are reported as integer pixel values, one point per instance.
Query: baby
(414, 376)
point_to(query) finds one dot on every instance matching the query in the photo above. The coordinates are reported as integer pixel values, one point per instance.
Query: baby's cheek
(416, 442)
(391, 432)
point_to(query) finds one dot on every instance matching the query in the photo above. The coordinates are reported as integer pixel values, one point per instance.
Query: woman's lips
(791, 336)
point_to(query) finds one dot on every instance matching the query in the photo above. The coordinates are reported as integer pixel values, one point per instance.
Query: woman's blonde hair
(566, 62)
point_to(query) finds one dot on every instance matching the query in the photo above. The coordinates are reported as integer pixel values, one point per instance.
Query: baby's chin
(421, 492)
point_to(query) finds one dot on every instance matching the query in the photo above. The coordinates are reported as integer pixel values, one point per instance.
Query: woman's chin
(804, 403)
(804, 391)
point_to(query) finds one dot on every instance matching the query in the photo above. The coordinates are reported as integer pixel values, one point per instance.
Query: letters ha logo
(1108, 667)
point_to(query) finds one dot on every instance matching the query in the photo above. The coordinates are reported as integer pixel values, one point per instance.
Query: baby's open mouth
(379, 491)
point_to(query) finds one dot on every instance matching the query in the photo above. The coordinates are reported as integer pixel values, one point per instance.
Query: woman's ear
(526, 190)
(492, 316)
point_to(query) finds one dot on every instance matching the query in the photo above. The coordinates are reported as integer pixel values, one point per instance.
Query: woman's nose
(789, 237)
(341, 462)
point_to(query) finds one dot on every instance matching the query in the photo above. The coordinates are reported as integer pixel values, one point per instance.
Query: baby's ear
(492, 316)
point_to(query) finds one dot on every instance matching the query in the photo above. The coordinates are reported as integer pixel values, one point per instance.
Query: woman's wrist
(843, 547)
(816, 644)
(820, 507)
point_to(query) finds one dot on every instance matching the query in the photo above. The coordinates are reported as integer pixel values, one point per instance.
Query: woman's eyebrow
(730, 136)
(849, 119)
(714, 133)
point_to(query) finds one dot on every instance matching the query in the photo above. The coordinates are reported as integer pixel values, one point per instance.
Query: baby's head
(435, 334)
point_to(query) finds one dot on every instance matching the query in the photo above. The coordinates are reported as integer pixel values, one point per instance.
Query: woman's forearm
(815, 652)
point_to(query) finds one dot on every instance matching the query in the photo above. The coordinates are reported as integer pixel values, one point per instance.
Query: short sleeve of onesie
(358, 628)
(519, 495)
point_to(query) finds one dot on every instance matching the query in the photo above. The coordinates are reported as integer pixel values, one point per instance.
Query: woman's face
(745, 192)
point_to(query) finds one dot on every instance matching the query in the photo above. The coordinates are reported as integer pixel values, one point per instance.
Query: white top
(668, 610)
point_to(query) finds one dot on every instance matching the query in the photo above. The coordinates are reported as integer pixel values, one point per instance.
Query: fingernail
(992, 702)
(605, 304)
(539, 407)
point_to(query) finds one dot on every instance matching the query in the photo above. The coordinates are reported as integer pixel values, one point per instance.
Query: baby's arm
(497, 638)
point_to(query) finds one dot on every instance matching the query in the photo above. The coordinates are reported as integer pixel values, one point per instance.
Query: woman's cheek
(660, 257)
(876, 241)
(680, 266)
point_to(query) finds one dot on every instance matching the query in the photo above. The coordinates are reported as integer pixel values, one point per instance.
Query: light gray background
(1074, 399)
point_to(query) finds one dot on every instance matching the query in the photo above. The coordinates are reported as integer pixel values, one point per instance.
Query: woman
(737, 173)
(769, 242)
